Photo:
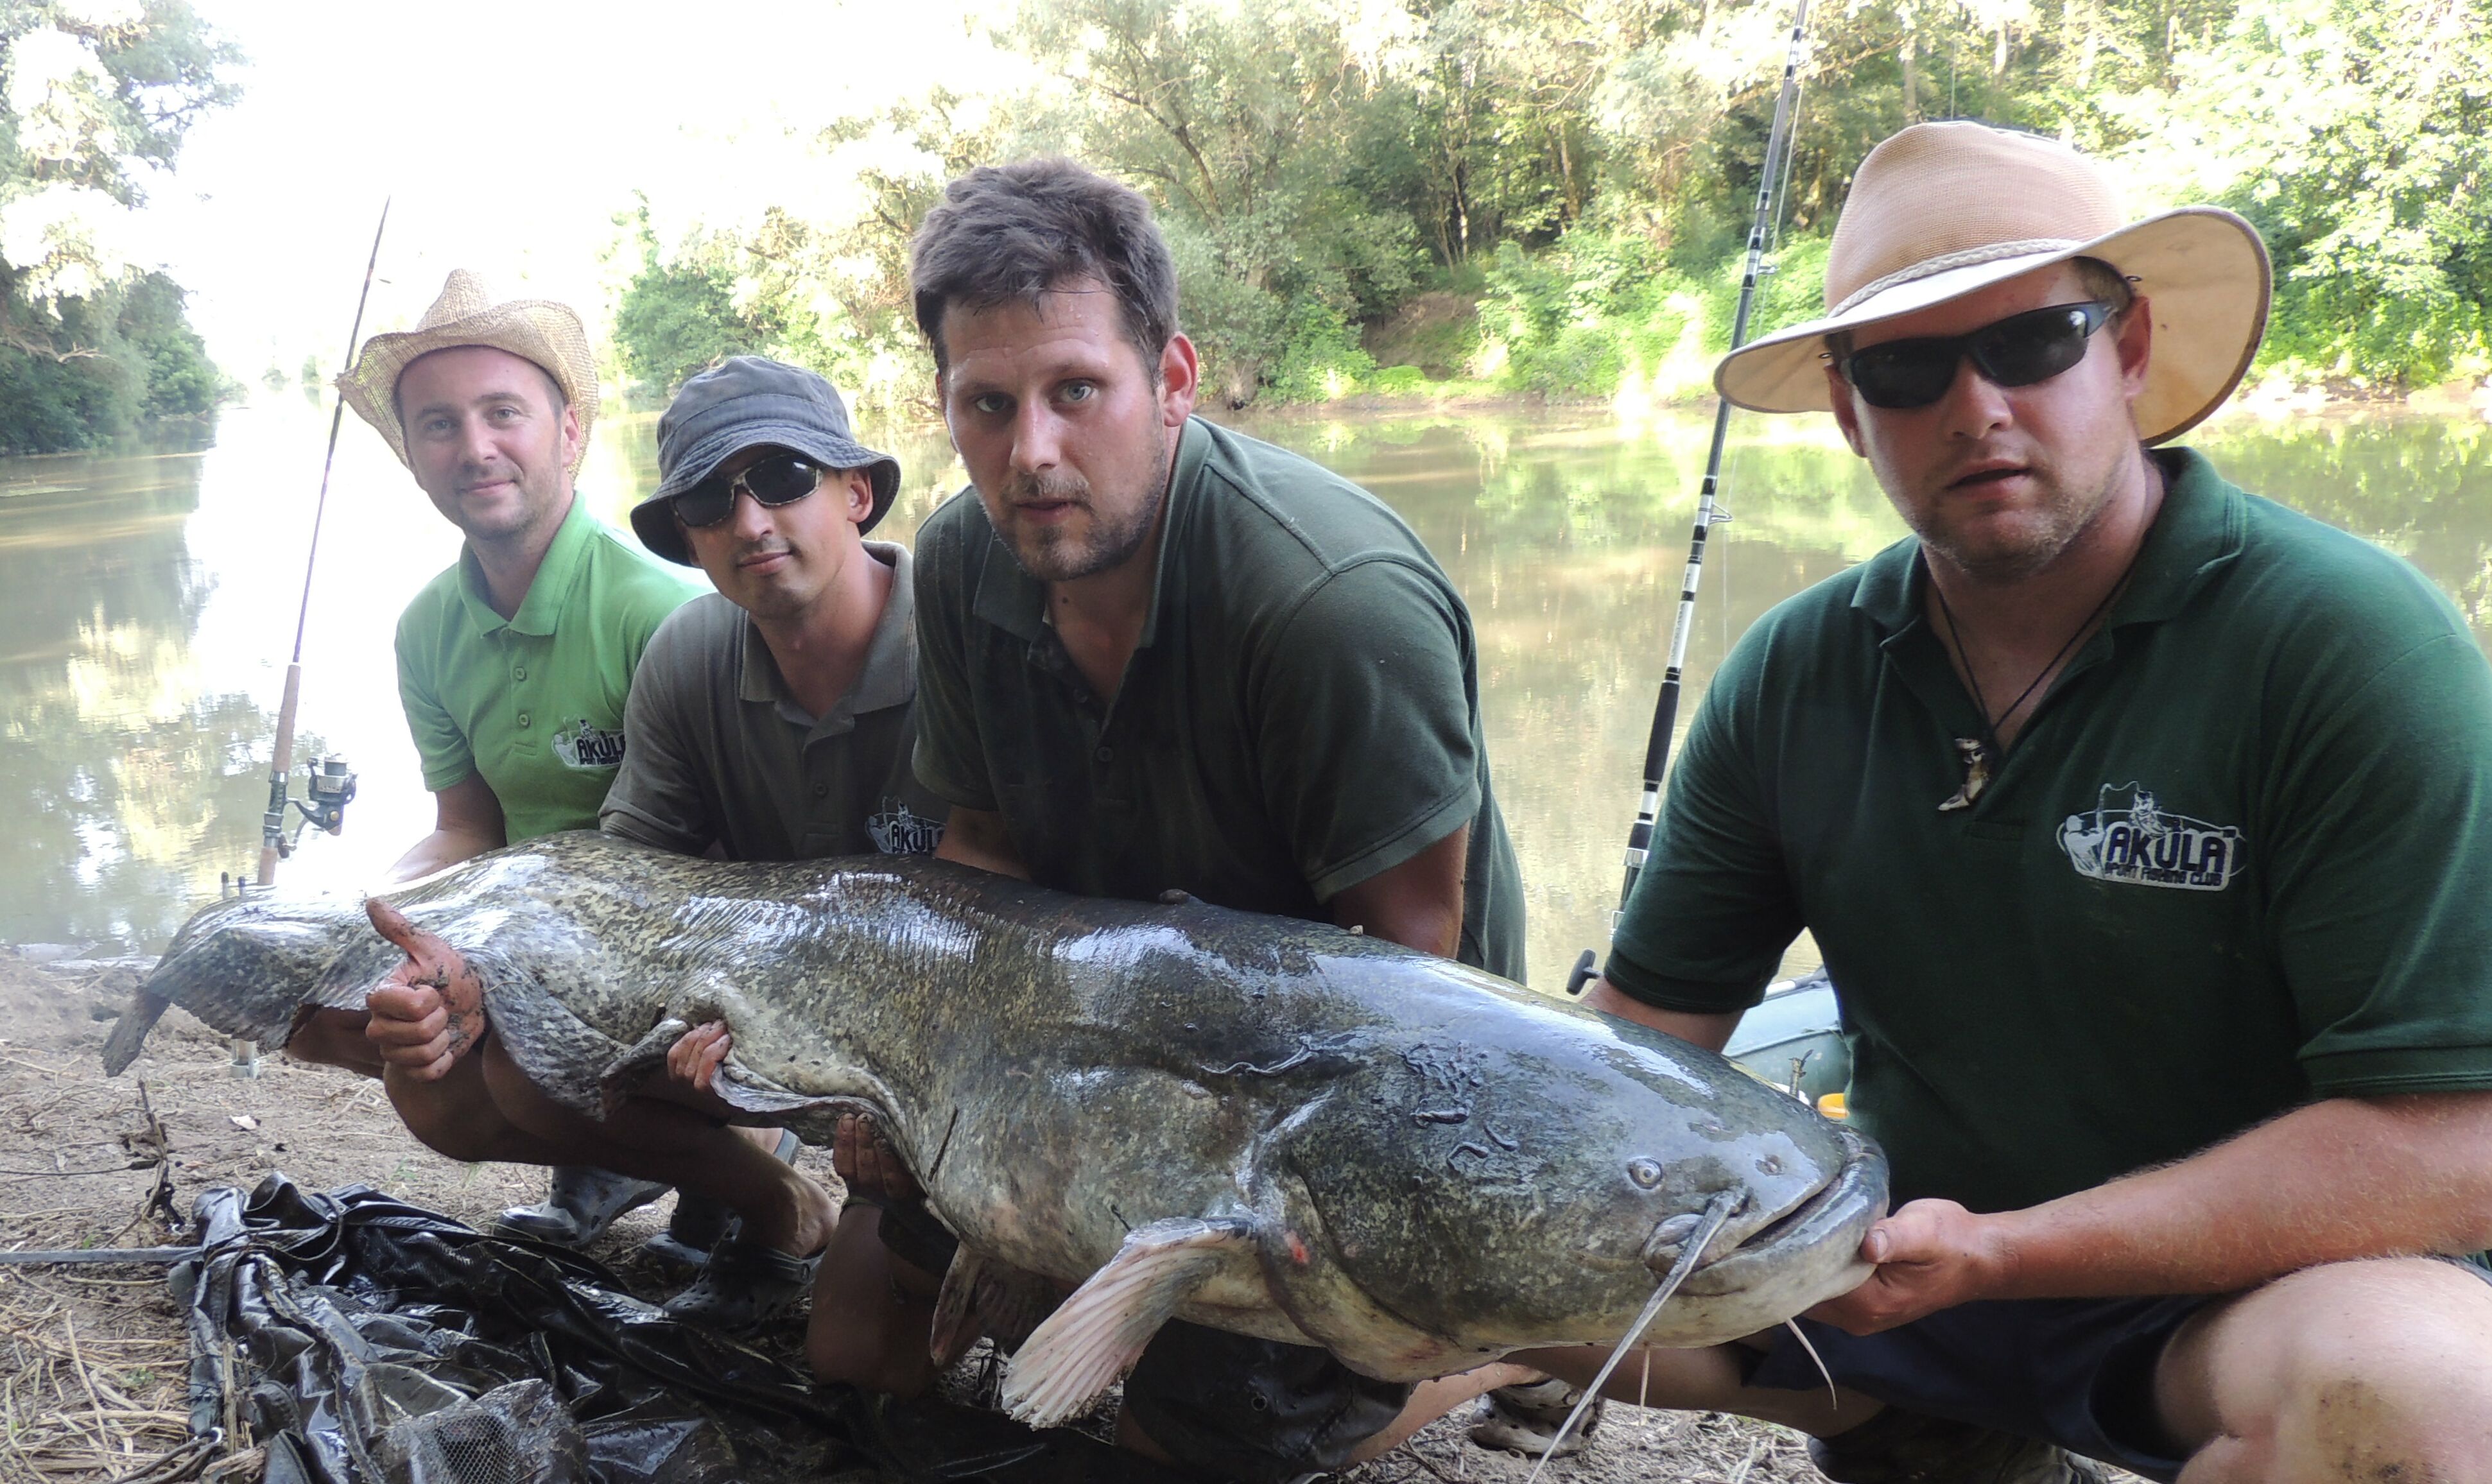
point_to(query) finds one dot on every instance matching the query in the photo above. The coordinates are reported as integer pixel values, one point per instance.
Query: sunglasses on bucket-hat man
(1943, 210)
(747, 402)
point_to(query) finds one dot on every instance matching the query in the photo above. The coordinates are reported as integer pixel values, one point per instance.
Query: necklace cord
(1955, 639)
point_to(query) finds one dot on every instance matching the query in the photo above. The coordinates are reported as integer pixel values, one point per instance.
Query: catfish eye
(1644, 1173)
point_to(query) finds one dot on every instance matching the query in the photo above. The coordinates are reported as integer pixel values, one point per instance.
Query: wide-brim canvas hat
(750, 401)
(537, 330)
(1943, 210)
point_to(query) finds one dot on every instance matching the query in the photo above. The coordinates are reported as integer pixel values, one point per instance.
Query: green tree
(96, 94)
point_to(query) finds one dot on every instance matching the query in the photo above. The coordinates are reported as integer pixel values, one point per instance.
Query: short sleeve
(656, 798)
(2379, 872)
(1364, 712)
(949, 759)
(1712, 909)
(440, 746)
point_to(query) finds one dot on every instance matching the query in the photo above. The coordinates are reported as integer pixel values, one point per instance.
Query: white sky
(509, 134)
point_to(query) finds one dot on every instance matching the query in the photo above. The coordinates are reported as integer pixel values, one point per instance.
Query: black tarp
(367, 1341)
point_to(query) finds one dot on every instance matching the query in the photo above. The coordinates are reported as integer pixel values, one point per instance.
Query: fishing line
(1717, 1213)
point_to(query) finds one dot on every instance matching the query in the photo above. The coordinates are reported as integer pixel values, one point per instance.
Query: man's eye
(1078, 391)
(990, 403)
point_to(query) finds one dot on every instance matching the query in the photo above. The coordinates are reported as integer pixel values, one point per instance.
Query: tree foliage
(1585, 169)
(95, 96)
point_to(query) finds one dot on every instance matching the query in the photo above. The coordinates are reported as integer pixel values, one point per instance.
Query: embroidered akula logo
(899, 830)
(583, 746)
(2129, 837)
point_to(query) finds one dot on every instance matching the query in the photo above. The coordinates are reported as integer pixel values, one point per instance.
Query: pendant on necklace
(1976, 774)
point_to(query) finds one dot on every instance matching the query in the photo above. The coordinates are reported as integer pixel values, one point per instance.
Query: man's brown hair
(1017, 231)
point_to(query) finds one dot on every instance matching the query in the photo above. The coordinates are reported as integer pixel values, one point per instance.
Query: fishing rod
(332, 784)
(1664, 711)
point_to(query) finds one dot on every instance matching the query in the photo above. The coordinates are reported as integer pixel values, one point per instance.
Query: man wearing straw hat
(515, 661)
(2146, 828)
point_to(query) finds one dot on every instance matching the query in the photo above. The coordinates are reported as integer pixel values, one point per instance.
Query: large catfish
(1272, 1126)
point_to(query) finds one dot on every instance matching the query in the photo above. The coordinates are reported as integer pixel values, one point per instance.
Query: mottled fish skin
(1432, 1166)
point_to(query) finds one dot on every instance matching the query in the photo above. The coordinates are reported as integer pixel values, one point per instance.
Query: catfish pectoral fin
(1097, 1334)
(981, 1295)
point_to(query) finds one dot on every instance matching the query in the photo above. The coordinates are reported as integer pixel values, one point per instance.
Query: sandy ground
(92, 1358)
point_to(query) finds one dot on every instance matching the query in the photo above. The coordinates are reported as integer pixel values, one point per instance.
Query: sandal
(1524, 1419)
(744, 1285)
(698, 1222)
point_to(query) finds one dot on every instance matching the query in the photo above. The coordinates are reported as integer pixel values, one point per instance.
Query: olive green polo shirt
(1301, 714)
(533, 704)
(2239, 859)
(717, 750)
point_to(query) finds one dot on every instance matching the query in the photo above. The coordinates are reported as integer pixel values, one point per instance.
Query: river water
(149, 600)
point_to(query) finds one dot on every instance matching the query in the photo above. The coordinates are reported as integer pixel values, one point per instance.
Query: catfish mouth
(1824, 1230)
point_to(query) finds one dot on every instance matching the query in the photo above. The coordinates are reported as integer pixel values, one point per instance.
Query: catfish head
(1506, 1180)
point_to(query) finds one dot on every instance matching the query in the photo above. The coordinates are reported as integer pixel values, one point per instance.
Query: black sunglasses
(782, 478)
(2019, 351)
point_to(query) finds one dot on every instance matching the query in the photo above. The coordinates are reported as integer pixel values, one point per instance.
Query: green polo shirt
(1303, 712)
(2239, 858)
(719, 752)
(533, 704)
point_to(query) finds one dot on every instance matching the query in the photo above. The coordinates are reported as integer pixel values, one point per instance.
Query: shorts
(1229, 1405)
(2076, 1371)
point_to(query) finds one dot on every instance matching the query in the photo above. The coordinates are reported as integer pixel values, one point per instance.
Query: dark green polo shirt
(719, 752)
(1303, 712)
(533, 704)
(2240, 857)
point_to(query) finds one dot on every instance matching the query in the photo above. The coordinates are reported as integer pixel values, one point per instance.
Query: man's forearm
(2339, 1179)
(441, 848)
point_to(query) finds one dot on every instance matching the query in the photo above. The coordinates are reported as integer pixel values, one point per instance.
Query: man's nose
(476, 441)
(1038, 438)
(1974, 404)
(747, 519)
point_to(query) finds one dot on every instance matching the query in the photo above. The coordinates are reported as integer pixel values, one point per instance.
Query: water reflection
(147, 602)
(121, 767)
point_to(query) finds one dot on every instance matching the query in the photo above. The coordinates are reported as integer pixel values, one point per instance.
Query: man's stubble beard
(2062, 523)
(1053, 556)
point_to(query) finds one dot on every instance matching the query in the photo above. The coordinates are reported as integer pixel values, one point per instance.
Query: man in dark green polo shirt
(773, 718)
(1155, 655)
(2146, 829)
(515, 661)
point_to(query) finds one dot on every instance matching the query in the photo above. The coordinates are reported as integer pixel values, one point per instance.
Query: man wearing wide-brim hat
(2145, 828)
(514, 662)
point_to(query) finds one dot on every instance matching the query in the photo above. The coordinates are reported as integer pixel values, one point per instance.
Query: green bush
(1320, 359)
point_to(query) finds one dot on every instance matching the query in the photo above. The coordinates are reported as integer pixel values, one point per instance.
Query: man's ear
(1181, 381)
(571, 439)
(1838, 397)
(2135, 344)
(859, 483)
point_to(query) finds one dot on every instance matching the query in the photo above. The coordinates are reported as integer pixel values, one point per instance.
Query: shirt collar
(1015, 601)
(2198, 530)
(890, 675)
(549, 591)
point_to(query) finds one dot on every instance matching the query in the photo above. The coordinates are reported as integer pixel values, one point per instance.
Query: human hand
(698, 1053)
(867, 1161)
(427, 1012)
(1931, 1255)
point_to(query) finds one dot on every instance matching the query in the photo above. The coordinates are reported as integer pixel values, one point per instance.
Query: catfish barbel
(1267, 1125)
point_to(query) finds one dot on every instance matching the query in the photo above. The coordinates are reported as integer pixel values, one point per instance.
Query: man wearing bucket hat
(514, 662)
(2146, 827)
(774, 719)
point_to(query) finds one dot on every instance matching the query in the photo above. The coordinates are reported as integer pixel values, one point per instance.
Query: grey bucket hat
(746, 401)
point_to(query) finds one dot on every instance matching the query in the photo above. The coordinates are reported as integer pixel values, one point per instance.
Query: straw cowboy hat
(537, 330)
(1941, 210)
